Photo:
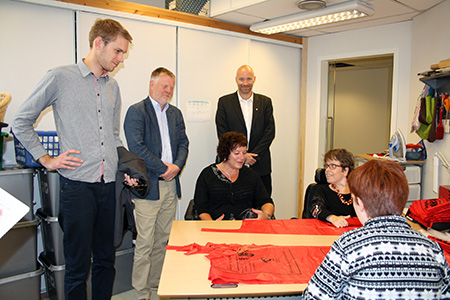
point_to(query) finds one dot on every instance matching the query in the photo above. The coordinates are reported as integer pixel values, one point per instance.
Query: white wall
(416, 45)
(142, 58)
(205, 79)
(33, 39)
(431, 44)
(395, 38)
(208, 68)
(205, 62)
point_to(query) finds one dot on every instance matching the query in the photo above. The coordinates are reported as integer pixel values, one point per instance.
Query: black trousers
(86, 216)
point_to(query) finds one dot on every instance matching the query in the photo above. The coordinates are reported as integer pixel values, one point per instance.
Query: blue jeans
(86, 216)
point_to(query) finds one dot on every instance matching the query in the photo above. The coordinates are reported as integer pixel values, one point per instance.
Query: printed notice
(198, 111)
(11, 211)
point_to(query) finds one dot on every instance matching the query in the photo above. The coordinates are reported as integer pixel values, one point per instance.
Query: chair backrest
(191, 213)
(319, 178)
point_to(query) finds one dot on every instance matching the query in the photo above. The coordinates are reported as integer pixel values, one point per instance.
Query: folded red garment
(253, 264)
(293, 226)
(430, 211)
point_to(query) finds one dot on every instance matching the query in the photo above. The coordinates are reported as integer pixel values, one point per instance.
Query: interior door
(359, 104)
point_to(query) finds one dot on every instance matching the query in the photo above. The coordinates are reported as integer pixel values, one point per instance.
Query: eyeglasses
(331, 166)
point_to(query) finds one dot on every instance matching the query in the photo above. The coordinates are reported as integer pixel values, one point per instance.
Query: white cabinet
(413, 172)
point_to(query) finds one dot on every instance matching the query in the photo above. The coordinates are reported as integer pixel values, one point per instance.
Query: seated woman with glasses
(229, 190)
(333, 202)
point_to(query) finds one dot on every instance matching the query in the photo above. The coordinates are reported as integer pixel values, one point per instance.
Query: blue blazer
(144, 139)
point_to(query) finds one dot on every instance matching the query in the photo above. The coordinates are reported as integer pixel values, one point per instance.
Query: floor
(129, 295)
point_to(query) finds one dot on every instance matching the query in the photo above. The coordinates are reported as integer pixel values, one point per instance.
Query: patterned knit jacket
(384, 259)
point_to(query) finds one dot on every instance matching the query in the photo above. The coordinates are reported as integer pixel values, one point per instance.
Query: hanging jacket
(134, 166)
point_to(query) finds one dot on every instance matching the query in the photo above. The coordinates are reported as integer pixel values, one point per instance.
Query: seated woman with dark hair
(333, 202)
(386, 258)
(229, 190)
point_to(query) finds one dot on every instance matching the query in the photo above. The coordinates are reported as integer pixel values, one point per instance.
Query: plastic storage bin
(49, 191)
(127, 241)
(54, 275)
(19, 249)
(23, 286)
(124, 268)
(49, 140)
(52, 236)
(19, 183)
(414, 192)
(413, 174)
(54, 279)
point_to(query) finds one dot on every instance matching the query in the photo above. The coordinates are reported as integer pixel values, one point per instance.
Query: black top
(326, 202)
(215, 194)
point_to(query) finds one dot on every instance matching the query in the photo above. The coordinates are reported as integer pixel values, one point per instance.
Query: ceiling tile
(239, 18)
(421, 4)
(386, 12)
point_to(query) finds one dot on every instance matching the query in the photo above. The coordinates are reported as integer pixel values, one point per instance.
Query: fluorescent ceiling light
(331, 14)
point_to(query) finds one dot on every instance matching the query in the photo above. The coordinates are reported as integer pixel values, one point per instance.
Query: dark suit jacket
(133, 165)
(229, 117)
(144, 139)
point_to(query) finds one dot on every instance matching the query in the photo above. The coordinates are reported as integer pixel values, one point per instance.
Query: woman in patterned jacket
(386, 258)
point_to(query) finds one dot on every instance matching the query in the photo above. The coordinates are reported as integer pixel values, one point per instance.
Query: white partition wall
(277, 70)
(153, 45)
(207, 69)
(34, 39)
(205, 61)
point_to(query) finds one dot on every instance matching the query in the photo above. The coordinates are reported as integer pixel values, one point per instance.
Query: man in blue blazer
(155, 131)
(252, 115)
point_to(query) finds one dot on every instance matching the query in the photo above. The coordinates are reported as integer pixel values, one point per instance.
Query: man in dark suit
(252, 115)
(156, 132)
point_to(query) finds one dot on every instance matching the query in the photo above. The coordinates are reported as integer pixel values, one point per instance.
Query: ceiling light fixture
(311, 4)
(331, 14)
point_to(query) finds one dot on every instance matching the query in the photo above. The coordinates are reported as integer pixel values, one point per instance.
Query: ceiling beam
(155, 12)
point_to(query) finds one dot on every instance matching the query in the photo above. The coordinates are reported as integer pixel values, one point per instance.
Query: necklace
(223, 169)
(346, 202)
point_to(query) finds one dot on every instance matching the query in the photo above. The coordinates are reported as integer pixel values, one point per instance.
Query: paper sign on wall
(198, 111)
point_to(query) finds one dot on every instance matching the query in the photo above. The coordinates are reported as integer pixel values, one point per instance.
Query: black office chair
(319, 179)
(191, 213)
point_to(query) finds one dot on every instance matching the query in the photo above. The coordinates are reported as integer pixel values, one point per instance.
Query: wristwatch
(268, 216)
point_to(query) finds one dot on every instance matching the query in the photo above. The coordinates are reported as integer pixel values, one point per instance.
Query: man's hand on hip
(63, 161)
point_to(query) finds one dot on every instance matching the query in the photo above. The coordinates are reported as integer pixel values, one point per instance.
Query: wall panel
(207, 67)
(205, 62)
(34, 39)
(277, 71)
(153, 45)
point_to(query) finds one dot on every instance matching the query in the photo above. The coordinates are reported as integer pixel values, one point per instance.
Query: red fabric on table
(253, 264)
(430, 211)
(293, 226)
